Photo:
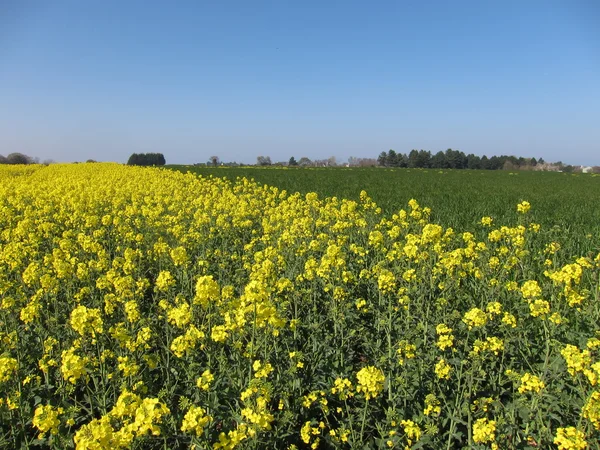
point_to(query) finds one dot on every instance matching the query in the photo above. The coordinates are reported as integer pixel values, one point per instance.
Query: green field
(566, 205)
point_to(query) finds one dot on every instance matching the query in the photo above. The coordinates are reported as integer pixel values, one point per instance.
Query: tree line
(146, 159)
(17, 158)
(454, 159)
(450, 159)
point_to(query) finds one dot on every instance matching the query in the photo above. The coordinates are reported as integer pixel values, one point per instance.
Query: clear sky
(191, 79)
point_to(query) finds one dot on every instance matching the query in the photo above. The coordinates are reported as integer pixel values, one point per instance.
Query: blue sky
(192, 79)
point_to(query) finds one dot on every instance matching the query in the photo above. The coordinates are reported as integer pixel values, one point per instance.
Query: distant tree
(146, 159)
(438, 161)
(424, 159)
(18, 158)
(3, 159)
(533, 162)
(413, 157)
(214, 160)
(367, 162)
(304, 162)
(484, 163)
(134, 160)
(382, 159)
(263, 160)
(473, 161)
(392, 159)
(331, 161)
(88, 161)
(456, 159)
(495, 163)
(292, 162)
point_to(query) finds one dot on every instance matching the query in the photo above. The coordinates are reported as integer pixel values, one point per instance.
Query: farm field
(565, 203)
(152, 308)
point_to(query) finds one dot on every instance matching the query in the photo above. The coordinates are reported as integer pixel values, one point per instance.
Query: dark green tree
(473, 161)
(146, 159)
(413, 159)
(18, 158)
(392, 158)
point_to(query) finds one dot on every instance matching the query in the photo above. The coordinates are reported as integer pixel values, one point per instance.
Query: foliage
(263, 160)
(16, 158)
(146, 159)
(233, 314)
(452, 159)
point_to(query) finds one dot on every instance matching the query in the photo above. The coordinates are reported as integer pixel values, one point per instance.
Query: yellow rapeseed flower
(370, 381)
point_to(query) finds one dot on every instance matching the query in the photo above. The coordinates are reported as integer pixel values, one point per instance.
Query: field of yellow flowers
(147, 308)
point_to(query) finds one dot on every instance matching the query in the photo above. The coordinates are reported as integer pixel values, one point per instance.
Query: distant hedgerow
(146, 159)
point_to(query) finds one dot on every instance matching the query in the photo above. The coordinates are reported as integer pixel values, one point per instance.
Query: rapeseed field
(149, 308)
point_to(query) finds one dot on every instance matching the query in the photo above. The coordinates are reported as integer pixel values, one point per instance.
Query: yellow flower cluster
(86, 320)
(523, 207)
(132, 417)
(484, 431)
(475, 317)
(370, 381)
(581, 361)
(443, 369)
(342, 387)
(570, 438)
(195, 420)
(531, 383)
(203, 382)
(491, 344)
(591, 409)
(8, 365)
(45, 418)
(445, 336)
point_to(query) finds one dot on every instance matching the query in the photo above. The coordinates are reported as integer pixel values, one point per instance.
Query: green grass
(566, 205)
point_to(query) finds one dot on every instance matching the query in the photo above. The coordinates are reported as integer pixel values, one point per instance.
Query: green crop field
(566, 205)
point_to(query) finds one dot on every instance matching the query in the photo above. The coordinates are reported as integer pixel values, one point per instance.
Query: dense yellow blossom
(523, 207)
(531, 289)
(7, 367)
(591, 409)
(370, 381)
(570, 438)
(203, 382)
(73, 366)
(531, 383)
(484, 431)
(343, 388)
(475, 317)
(45, 418)
(445, 336)
(443, 369)
(195, 420)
